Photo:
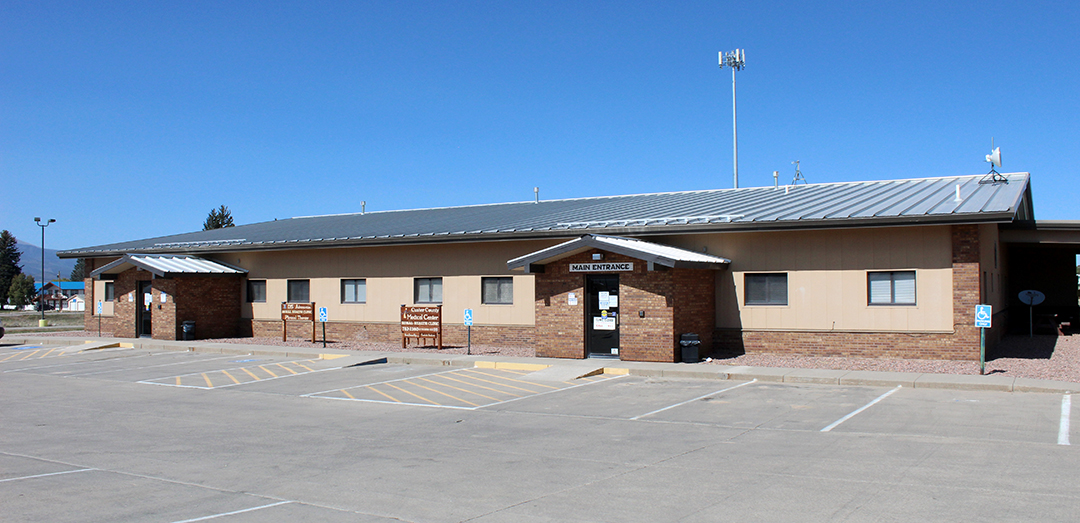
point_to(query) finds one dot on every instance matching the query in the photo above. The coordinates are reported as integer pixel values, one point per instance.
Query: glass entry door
(602, 315)
(144, 301)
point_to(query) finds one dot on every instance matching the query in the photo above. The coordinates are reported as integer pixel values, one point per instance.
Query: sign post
(300, 312)
(468, 327)
(984, 316)
(323, 316)
(99, 307)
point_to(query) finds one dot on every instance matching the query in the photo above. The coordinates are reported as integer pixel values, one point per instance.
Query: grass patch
(30, 319)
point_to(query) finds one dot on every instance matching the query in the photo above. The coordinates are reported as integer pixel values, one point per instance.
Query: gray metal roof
(168, 266)
(665, 255)
(847, 204)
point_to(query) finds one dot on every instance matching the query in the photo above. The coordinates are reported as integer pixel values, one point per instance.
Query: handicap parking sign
(983, 316)
(323, 316)
(468, 317)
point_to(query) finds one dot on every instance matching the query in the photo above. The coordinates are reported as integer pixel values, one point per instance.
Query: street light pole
(41, 295)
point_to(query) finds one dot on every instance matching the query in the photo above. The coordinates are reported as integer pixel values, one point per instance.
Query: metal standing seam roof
(845, 204)
(665, 255)
(166, 266)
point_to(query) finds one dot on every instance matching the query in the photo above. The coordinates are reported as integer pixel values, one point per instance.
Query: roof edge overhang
(593, 241)
(1060, 232)
(547, 234)
(128, 261)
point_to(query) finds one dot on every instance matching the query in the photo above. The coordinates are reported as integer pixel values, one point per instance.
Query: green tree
(79, 271)
(22, 290)
(218, 219)
(9, 263)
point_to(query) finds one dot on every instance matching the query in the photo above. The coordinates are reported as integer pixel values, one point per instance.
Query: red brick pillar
(967, 293)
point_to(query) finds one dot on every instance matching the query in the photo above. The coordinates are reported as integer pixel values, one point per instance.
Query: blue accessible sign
(323, 316)
(468, 317)
(983, 316)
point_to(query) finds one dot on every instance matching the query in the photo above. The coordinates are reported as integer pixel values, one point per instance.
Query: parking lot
(121, 434)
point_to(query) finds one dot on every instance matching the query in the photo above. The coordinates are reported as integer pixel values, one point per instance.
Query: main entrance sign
(602, 267)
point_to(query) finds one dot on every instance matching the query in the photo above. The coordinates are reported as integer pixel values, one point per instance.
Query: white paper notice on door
(600, 323)
(571, 299)
(613, 301)
(604, 297)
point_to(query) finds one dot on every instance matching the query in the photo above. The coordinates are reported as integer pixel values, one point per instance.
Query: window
(428, 290)
(891, 288)
(298, 291)
(353, 291)
(766, 289)
(110, 291)
(497, 290)
(256, 291)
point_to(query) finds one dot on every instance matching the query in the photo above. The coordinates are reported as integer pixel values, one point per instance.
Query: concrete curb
(862, 378)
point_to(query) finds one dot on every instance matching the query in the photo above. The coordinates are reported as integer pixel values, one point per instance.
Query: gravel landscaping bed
(1042, 357)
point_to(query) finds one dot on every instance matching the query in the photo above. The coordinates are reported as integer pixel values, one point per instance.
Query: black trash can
(188, 329)
(689, 343)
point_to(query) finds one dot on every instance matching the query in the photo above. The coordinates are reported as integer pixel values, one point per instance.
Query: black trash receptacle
(188, 329)
(689, 343)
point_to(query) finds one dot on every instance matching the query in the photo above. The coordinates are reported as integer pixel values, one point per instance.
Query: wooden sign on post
(297, 312)
(420, 323)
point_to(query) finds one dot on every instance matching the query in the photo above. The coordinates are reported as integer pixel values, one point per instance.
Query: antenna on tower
(736, 60)
(798, 175)
(994, 158)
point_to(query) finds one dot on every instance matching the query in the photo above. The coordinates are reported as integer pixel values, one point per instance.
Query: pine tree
(79, 271)
(218, 219)
(9, 263)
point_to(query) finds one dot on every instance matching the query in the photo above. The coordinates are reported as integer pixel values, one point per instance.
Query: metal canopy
(653, 253)
(165, 266)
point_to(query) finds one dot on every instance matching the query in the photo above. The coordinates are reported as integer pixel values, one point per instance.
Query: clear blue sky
(128, 120)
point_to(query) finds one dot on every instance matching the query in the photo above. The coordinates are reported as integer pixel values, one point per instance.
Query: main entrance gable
(620, 297)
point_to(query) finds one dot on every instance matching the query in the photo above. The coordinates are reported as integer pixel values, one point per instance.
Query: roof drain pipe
(363, 207)
(536, 192)
(776, 179)
(958, 198)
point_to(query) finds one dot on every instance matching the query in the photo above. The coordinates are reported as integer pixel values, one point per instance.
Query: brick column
(966, 290)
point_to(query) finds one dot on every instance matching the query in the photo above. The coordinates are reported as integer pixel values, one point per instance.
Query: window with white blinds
(766, 289)
(497, 290)
(891, 288)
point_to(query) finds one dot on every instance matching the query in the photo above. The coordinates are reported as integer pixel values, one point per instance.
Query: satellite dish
(1032, 297)
(994, 158)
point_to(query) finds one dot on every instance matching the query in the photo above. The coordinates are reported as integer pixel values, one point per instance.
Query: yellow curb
(509, 366)
(331, 356)
(617, 371)
(126, 345)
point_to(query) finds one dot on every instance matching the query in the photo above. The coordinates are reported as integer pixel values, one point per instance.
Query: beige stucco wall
(389, 273)
(99, 295)
(827, 282)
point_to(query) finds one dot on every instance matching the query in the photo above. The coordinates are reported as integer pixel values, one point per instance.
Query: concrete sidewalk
(556, 369)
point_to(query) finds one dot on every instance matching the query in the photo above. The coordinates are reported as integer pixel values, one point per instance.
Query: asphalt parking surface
(142, 435)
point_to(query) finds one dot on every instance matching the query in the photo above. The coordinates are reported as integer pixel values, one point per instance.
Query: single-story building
(881, 268)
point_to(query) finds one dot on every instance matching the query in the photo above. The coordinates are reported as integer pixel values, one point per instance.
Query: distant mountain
(31, 262)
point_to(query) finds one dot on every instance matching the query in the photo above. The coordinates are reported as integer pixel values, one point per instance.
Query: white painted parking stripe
(693, 400)
(1063, 430)
(44, 475)
(864, 407)
(223, 514)
(188, 362)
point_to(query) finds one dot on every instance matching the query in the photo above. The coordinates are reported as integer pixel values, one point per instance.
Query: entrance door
(144, 305)
(602, 315)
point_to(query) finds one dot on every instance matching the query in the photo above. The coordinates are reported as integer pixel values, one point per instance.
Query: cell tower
(736, 60)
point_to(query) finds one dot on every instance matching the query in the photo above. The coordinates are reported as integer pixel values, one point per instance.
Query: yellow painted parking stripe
(252, 374)
(50, 352)
(481, 386)
(207, 378)
(267, 371)
(28, 355)
(225, 372)
(384, 394)
(462, 390)
(286, 368)
(443, 393)
(178, 380)
(517, 381)
(345, 392)
(498, 383)
(415, 395)
(9, 357)
(298, 364)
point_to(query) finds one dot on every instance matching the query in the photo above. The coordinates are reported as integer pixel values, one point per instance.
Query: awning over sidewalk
(653, 253)
(166, 266)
